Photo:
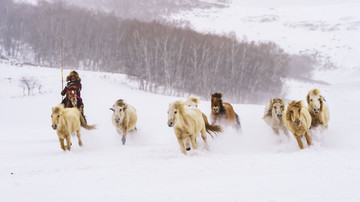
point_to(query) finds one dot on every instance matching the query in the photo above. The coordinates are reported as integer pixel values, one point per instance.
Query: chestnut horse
(223, 112)
(71, 98)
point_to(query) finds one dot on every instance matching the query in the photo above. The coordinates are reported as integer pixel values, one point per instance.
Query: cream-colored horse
(298, 121)
(187, 124)
(67, 121)
(274, 116)
(124, 118)
(318, 109)
(193, 102)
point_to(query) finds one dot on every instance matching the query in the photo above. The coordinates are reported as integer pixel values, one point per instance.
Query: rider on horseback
(73, 83)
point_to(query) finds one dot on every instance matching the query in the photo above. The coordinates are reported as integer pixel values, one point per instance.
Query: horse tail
(84, 123)
(238, 124)
(211, 128)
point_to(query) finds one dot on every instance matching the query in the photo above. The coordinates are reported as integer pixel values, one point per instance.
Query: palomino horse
(274, 115)
(223, 112)
(187, 125)
(298, 121)
(318, 109)
(67, 121)
(193, 101)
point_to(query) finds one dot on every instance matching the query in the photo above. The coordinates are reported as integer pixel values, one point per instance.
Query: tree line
(161, 57)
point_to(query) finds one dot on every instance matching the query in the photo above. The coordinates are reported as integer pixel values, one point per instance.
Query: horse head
(216, 103)
(315, 101)
(277, 107)
(293, 113)
(119, 111)
(55, 116)
(174, 111)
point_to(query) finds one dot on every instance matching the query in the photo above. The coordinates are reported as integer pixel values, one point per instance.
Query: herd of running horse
(188, 121)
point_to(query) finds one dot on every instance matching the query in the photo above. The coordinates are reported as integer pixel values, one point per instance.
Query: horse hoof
(123, 141)
(188, 149)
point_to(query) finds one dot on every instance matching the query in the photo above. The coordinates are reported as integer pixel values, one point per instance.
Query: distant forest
(146, 10)
(161, 57)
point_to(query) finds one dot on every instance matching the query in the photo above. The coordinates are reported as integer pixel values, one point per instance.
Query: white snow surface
(254, 165)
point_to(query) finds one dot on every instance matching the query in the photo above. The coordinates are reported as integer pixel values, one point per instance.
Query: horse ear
(212, 96)
(112, 109)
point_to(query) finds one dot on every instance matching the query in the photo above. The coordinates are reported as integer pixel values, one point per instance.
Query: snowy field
(255, 165)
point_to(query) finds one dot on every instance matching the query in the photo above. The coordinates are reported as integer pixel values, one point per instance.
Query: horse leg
(213, 119)
(62, 143)
(193, 141)
(187, 144)
(298, 139)
(308, 139)
(276, 131)
(204, 137)
(285, 130)
(68, 142)
(123, 139)
(181, 143)
(78, 136)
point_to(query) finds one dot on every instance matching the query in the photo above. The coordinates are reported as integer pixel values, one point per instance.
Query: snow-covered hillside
(329, 29)
(255, 165)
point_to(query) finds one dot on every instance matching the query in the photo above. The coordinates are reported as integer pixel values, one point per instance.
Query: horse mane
(293, 104)
(296, 104)
(314, 91)
(59, 108)
(120, 103)
(179, 105)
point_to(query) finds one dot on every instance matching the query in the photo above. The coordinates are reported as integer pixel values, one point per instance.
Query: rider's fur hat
(73, 73)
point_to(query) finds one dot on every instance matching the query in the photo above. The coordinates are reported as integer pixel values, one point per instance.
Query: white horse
(124, 118)
(274, 116)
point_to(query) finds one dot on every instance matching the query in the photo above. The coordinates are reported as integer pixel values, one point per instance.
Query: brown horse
(223, 113)
(71, 98)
